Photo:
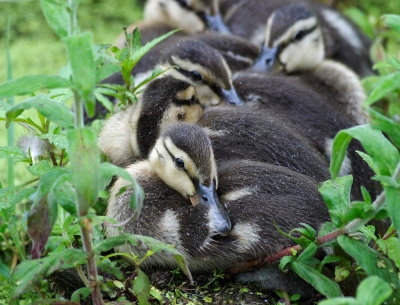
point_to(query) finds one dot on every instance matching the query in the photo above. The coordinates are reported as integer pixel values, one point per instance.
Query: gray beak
(266, 60)
(217, 24)
(207, 197)
(231, 96)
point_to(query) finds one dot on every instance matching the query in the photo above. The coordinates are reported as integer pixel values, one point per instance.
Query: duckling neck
(345, 87)
(134, 115)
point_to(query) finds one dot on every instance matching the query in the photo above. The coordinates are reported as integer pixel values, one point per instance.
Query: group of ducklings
(232, 140)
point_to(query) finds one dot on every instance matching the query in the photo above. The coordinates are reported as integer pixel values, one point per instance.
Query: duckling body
(308, 112)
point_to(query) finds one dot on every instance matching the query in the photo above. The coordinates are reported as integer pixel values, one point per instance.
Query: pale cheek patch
(237, 194)
(186, 94)
(169, 228)
(246, 235)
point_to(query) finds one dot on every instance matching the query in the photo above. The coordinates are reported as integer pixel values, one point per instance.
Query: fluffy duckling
(253, 194)
(299, 38)
(309, 113)
(235, 133)
(193, 16)
(130, 135)
(180, 170)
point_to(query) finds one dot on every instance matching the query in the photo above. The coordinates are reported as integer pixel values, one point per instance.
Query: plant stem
(79, 123)
(351, 227)
(86, 231)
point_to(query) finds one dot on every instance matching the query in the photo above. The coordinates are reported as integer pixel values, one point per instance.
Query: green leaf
(5, 271)
(373, 291)
(339, 301)
(29, 272)
(329, 259)
(307, 252)
(10, 197)
(370, 260)
(108, 266)
(85, 164)
(56, 15)
(81, 56)
(52, 110)
(385, 85)
(384, 154)
(285, 261)
(393, 21)
(58, 140)
(64, 194)
(39, 168)
(319, 281)
(146, 243)
(336, 195)
(31, 83)
(109, 170)
(387, 125)
(391, 247)
(141, 287)
(12, 152)
(392, 203)
(80, 295)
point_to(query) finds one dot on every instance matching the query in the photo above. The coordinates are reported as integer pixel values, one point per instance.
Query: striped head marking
(206, 69)
(294, 37)
(183, 158)
(165, 101)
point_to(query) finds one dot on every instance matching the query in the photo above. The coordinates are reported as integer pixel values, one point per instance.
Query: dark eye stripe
(172, 156)
(283, 45)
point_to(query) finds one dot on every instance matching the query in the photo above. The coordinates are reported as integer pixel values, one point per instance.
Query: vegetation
(51, 205)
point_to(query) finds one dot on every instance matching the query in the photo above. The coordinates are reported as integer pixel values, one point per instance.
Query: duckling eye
(179, 163)
(196, 75)
(299, 35)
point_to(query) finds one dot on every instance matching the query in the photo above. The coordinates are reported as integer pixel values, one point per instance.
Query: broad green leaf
(104, 101)
(329, 259)
(319, 281)
(361, 19)
(392, 202)
(58, 140)
(339, 301)
(105, 70)
(12, 152)
(383, 87)
(144, 242)
(39, 168)
(32, 83)
(80, 295)
(384, 154)
(141, 287)
(109, 170)
(81, 56)
(373, 291)
(64, 194)
(393, 21)
(85, 164)
(29, 272)
(391, 247)
(52, 110)
(387, 125)
(109, 267)
(5, 271)
(336, 195)
(307, 252)
(285, 261)
(10, 196)
(56, 15)
(370, 260)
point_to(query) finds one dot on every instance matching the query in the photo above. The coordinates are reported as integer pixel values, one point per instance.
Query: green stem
(79, 123)
(10, 100)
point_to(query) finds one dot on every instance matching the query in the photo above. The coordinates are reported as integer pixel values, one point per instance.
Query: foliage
(70, 178)
(376, 261)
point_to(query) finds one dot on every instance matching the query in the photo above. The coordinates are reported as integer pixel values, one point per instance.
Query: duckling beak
(266, 60)
(207, 198)
(231, 96)
(217, 24)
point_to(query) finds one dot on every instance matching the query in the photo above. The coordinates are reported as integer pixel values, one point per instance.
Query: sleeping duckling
(180, 170)
(130, 135)
(299, 38)
(235, 133)
(193, 16)
(253, 193)
(309, 113)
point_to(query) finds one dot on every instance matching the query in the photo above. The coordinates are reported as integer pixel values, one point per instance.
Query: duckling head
(206, 69)
(183, 158)
(192, 16)
(165, 101)
(293, 40)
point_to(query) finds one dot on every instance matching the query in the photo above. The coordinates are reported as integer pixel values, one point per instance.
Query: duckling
(193, 16)
(235, 133)
(301, 34)
(179, 178)
(308, 112)
(253, 194)
(129, 135)
(300, 39)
